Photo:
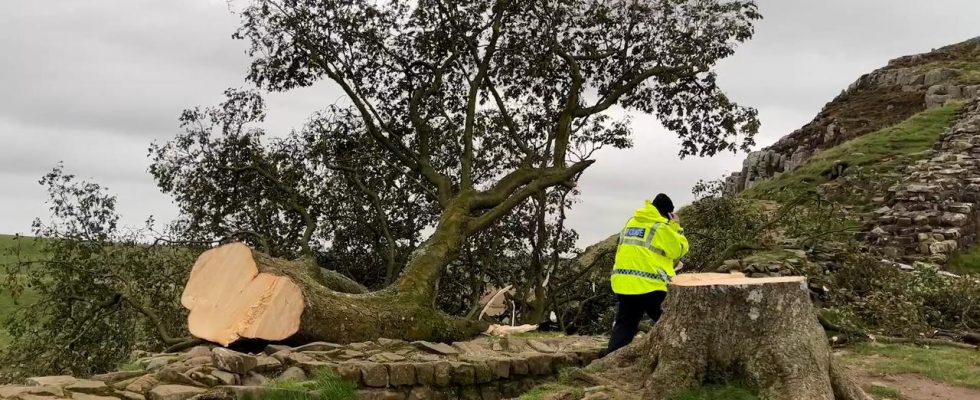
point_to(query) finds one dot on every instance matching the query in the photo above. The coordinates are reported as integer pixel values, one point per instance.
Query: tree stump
(718, 328)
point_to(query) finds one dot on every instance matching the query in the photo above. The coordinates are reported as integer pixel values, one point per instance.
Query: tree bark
(716, 329)
(236, 293)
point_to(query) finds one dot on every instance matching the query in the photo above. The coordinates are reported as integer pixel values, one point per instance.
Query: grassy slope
(12, 248)
(884, 151)
(965, 262)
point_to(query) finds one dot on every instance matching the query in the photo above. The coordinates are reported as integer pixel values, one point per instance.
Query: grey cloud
(122, 66)
(93, 82)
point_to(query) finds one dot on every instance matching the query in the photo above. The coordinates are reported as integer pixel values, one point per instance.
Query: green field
(12, 249)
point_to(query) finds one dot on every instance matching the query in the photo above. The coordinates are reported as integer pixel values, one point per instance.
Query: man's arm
(673, 242)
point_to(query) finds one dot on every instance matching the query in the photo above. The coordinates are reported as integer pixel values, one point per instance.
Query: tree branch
(548, 178)
(162, 331)
(483, 66)
(563, 131)
(378, 208)
(509, 123)
(668, 73)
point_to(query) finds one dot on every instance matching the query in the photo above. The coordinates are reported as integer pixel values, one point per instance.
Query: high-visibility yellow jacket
(648, 246)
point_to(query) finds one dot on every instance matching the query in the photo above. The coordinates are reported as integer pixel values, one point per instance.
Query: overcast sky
(93, 82)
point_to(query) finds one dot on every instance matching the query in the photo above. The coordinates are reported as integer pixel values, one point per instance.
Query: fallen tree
(473, 107)
(729, 328)
(235, 293)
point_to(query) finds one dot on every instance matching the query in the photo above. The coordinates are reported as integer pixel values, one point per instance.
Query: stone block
(233, 361)
(350, 372)
(197, 351)
(172, 376)
(519, 366)
(318, 346)
(254, 379)
(374, 374)
(469, 393)
(490, 392)
(17, 391)
(482, 372)
(944, 247)
(113, 377)
(142, 384)
(425, 373)
(500, 367)
(541, 346)
(267, 364)
(463, 373)
(380, 394)
(954, 219)
(540, 364)
(401, 374)
(174, 392)
(295, 374)
(283, 356)
(420, 393)
(57, 381)
(275, 348)
(437, 348)
(74, 396)
(443, 372)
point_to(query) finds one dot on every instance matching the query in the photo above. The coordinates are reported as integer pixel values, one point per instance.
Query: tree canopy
(457, 112)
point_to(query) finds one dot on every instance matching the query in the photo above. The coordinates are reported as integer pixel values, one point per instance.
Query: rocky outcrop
(934, 211)
(486, 368)
(877, 100)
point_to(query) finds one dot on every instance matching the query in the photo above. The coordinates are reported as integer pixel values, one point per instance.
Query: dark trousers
(630, 312)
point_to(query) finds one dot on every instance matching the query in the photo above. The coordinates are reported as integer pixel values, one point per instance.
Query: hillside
(882, 98)
(896, 151)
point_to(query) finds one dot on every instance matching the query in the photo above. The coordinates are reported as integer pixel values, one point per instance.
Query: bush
(101, 291)
(879, 296)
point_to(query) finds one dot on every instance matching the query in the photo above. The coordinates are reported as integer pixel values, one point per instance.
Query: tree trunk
(720, 328)
(237, 293)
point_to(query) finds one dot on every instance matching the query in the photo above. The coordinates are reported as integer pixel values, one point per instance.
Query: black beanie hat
(663, 204)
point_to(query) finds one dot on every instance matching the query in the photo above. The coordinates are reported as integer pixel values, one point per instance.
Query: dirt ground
(916, 387)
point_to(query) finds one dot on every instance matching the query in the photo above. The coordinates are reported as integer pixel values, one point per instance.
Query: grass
(718, 392)
(966, 261)
(884, 150)
(324, 384)
(953, 366)
(884, 392)
(12, 249)
(539, 334)
(969, 70)
(539, 392)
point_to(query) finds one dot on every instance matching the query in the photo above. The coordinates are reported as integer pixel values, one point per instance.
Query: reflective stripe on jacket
(648, 246)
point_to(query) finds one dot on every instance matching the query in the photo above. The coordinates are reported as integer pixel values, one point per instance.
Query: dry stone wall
(482, 369)
(934, 211)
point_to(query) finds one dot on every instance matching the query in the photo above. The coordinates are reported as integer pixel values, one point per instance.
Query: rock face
(905, 86)
(934, 211)
(386, 369)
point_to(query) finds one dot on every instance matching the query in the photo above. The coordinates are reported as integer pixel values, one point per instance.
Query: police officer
(649, 244)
